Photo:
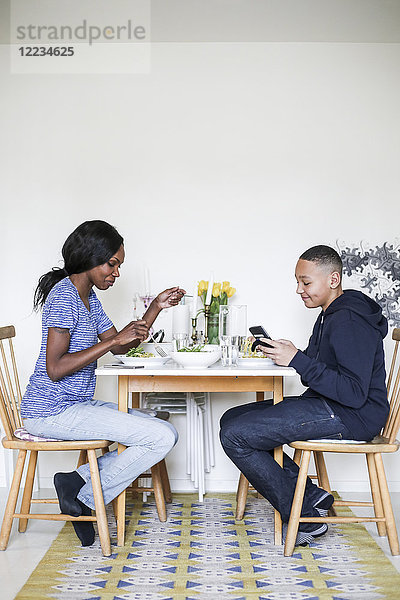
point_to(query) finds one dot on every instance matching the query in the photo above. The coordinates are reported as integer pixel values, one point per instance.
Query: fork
(158, 348)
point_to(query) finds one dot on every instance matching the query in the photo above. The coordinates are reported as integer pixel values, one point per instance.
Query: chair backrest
(393, 386)
(10, 390)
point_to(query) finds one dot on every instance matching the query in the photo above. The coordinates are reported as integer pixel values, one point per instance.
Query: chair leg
(12, 500)
(297, 456)
(210, 436)
(165, 482)
(322, 472)
(297, 504)
(200, 457)
(375, 493)
(114, 507)
(158, 492)
(82, 460)
(323, 479)
(387, 506)
(241, 497)
(27, 496)
(101, 516)
(188, 437)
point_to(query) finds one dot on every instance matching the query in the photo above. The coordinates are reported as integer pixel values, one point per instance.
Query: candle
(194, 305)
(135, 302)
(180, 319)
(146, 277)
(209, 289)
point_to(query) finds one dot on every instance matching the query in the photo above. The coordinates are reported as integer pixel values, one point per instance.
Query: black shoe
(67, 487)
(162, 414)
(84, 529)
(324, 503)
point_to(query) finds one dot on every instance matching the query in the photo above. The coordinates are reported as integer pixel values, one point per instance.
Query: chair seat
(17, 444)
(377, 445)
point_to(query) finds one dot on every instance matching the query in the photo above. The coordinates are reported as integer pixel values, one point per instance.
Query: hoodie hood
(363, 306)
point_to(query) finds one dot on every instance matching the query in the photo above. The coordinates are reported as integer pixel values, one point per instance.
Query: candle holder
(147, 300)
(206, 317)
(194, 331)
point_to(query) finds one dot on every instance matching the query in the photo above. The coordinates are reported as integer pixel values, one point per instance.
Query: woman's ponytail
(46, 283)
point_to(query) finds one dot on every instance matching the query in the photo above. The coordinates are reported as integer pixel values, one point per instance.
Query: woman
(58, 402)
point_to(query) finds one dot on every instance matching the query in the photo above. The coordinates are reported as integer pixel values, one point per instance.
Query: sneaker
(324, 503)
(306, 537)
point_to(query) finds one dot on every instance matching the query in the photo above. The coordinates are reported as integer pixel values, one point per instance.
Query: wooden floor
(26, 550)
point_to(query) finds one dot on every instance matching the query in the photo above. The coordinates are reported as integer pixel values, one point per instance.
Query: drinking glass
(180, 326)
(179, 341)
(232, 330)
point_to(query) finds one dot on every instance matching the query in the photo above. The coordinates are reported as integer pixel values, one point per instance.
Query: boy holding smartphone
(344, 370)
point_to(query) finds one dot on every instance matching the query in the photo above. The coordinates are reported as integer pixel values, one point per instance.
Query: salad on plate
(140, 357)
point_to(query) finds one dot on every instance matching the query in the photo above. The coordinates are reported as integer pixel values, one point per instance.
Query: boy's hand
(282, 351)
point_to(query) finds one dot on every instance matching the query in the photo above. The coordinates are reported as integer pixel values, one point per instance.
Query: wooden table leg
(243, 485)
(278, 455)
(135, 399)
(121, 499)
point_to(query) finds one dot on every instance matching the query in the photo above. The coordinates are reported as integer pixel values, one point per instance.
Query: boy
(346, 398)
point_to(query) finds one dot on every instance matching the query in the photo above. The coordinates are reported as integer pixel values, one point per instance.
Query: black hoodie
(344, 363)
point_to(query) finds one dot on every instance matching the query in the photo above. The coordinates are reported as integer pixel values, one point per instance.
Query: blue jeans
(147, 438)
(250, 432)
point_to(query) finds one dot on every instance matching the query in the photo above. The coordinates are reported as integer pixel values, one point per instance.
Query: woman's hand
(170, 297)
(135, 330)
(282, 351)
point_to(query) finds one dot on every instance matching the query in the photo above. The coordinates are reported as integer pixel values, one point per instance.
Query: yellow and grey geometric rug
(202, 552)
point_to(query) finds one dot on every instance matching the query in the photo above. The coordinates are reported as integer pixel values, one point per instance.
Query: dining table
(171, 377)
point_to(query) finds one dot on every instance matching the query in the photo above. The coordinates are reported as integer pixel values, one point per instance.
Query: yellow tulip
(203, 285)
(216, 290)
(230, 292)
(225, 286)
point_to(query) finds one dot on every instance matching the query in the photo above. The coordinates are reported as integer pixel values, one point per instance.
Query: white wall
(226, 155)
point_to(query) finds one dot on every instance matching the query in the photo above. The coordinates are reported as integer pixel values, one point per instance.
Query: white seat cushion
(22, 434)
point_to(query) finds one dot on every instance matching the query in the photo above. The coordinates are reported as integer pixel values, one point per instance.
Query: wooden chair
(384, 443)
(10, 398)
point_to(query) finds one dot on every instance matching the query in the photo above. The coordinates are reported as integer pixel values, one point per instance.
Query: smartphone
(259, 332)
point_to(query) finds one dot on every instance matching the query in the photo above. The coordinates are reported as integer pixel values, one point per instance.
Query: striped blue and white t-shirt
(64, 308)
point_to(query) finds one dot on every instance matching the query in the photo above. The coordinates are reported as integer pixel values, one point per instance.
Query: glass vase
(213, 329)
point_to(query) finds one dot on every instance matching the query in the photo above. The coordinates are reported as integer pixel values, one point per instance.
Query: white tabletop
(216, 370)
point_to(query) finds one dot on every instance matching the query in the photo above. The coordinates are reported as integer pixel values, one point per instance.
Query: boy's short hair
(324, 256)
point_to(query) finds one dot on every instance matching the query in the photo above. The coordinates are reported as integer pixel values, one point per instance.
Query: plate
(197, 360)
(251, 362)
(133, 361)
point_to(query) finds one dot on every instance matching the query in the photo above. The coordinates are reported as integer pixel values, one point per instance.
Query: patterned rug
(202, 552)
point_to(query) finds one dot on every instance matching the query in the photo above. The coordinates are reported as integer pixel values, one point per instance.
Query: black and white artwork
(375, 270)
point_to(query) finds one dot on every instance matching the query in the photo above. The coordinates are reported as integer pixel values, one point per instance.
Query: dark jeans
(250, 432)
